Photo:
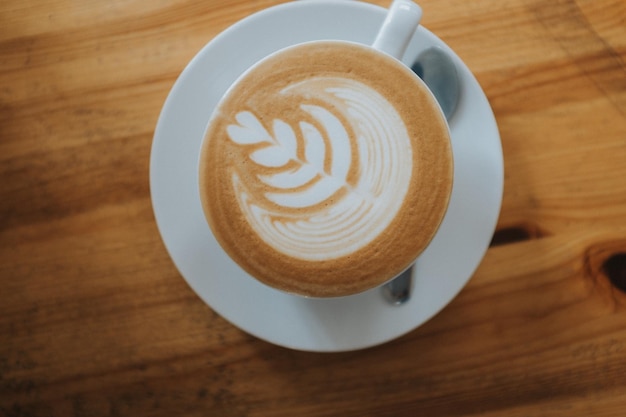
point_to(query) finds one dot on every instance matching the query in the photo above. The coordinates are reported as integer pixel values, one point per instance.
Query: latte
(326, 169)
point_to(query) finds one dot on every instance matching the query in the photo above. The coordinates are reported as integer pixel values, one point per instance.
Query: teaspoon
(438, 72)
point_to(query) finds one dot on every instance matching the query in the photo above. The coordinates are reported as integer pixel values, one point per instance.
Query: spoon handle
(398, 290)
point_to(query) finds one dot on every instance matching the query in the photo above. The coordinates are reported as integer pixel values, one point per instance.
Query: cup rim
(316, 291)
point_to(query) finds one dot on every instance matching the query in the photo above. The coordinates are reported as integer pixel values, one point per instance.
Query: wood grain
(96, 321)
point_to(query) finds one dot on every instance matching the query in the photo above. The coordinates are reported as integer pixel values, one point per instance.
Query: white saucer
(340, 324)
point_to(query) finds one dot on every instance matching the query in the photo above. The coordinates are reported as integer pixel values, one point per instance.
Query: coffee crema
(326, 169)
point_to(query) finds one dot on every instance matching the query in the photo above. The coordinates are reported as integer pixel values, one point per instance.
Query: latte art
(326, 169)
(313, 159)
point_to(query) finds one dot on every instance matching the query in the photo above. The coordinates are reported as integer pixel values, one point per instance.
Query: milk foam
(336, 181)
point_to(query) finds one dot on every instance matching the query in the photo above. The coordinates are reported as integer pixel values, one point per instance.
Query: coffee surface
(326, 169)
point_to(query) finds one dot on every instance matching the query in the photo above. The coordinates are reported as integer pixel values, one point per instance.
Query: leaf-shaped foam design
(248, 131)
(285, 136)
(283, 149)
(292, 178)
(340, 142)
(351, 131)
(314, 149)
(272, 156)
(319, 191)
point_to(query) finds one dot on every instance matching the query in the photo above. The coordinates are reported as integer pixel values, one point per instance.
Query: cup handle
(398, 28)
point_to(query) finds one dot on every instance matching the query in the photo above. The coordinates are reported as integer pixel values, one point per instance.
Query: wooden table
(95, 320)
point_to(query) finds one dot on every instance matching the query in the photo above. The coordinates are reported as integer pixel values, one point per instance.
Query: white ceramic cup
(250, 132)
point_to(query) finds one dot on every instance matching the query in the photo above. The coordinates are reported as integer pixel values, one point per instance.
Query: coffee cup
(326, 168)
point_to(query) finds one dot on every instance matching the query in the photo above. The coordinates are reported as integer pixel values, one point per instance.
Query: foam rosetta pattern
(333, 178)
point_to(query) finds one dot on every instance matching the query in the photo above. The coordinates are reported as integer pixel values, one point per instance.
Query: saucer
(322, 325)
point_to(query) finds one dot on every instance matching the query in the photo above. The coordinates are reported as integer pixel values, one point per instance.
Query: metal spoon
(438, 72)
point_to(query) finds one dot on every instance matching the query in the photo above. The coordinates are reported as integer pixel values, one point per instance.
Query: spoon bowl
(436, 68)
